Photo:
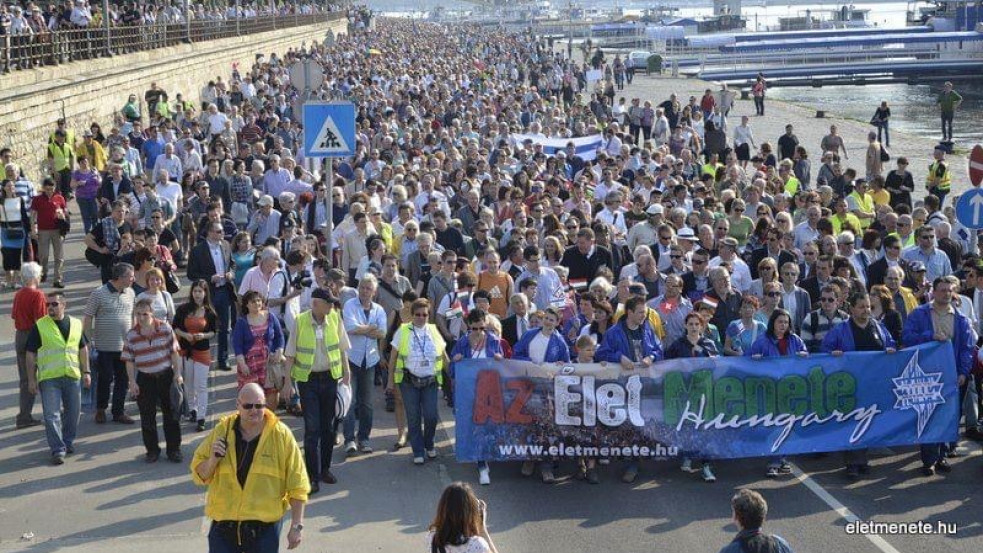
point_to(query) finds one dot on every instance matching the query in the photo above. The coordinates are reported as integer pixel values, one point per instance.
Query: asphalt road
(105, 498)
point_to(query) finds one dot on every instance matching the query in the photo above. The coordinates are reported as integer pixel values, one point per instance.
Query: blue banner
(722, 407)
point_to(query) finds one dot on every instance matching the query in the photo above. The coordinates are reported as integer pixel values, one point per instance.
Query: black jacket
(757, 255)
(201, 266)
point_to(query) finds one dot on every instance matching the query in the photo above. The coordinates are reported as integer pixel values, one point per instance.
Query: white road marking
(839, 508)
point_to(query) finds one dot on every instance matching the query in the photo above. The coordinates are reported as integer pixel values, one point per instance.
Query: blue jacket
(767, 346)
(616, 344)
(840, 338)
(556, 350)
(918, 329)
(242, 336)
(492, 347)
(736, 546)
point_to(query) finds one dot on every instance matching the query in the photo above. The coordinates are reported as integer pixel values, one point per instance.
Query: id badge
(424, 366)
(319, 334)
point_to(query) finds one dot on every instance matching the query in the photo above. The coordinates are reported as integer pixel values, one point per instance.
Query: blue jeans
(318, 397)
(884, 128)
(222, 302)
(89, 209)
(421, 407)
(57, 393)
(268, 541)
(362, 381)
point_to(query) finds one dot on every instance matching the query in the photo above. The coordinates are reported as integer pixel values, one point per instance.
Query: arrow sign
(976, 165)
(969, 209)
(976, 201)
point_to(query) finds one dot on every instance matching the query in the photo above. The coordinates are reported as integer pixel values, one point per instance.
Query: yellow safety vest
(62, 155)
(792, 186)
(942, 183)
(307, 342)
(403, 351)
(866, 204)
(59, 357)
(710, 169)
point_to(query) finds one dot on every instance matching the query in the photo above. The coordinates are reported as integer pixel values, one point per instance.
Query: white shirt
(216, 251)
(743, 135)
(537, 348)
(172, 165)
(170, 191)
(423, 352)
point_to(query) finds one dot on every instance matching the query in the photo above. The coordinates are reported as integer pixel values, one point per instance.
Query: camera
(302, 279)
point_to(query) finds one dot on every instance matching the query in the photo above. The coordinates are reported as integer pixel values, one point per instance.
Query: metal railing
(68, 45)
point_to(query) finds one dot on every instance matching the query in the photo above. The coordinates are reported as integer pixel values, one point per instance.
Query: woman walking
(418, 358)
(257, 340)
(194, 325)
(13, 230)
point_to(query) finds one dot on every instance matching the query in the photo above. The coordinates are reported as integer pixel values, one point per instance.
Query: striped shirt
(111, 312)
(150, 353)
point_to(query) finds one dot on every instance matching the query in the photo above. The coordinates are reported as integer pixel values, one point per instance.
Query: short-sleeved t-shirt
(475, 544)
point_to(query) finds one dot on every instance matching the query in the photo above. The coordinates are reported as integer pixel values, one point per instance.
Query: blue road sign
(329, 129)
(969, 208)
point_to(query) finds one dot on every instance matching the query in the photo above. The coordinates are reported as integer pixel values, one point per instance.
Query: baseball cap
(655, 209)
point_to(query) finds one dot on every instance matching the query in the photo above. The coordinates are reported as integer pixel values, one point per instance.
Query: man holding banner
(859, 333)
(632, 343)
(941, 322)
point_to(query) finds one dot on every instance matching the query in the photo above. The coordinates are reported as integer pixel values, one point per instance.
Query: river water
(913, 108)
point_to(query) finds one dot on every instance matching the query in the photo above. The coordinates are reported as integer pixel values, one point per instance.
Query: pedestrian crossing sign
(329, 129)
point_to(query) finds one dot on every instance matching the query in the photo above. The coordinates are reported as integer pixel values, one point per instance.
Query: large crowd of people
(35, 33)
(684, 234)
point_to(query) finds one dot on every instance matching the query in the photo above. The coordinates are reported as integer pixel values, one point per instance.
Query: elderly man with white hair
(276, 178)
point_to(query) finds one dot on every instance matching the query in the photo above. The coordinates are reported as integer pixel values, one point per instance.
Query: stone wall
(93, 90)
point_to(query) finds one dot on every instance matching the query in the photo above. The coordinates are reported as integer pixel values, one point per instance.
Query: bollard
(820, 114)
(745, 94)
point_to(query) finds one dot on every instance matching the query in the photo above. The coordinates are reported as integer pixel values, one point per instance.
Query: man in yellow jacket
(254, 471)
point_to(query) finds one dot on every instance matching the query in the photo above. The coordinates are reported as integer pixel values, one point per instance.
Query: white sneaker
(708, 475)
(351, 448)
(432, 453)
(687, 465)
(418, 460)
(484, 476)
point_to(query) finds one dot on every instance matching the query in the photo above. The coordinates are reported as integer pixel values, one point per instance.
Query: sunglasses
(828, 300)
(253, 406)
(478, 329)
(54, 303)
(675, 256)
(773, 294)
(420, 315)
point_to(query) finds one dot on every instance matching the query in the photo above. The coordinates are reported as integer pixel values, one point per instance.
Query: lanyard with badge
(421, 347)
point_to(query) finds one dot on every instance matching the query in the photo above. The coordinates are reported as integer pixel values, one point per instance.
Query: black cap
(322, 294)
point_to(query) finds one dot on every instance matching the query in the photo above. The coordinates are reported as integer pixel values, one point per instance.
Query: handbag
(172, 282)
(14, 232)
(275, 374)
(885, 156)
(65, 225)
